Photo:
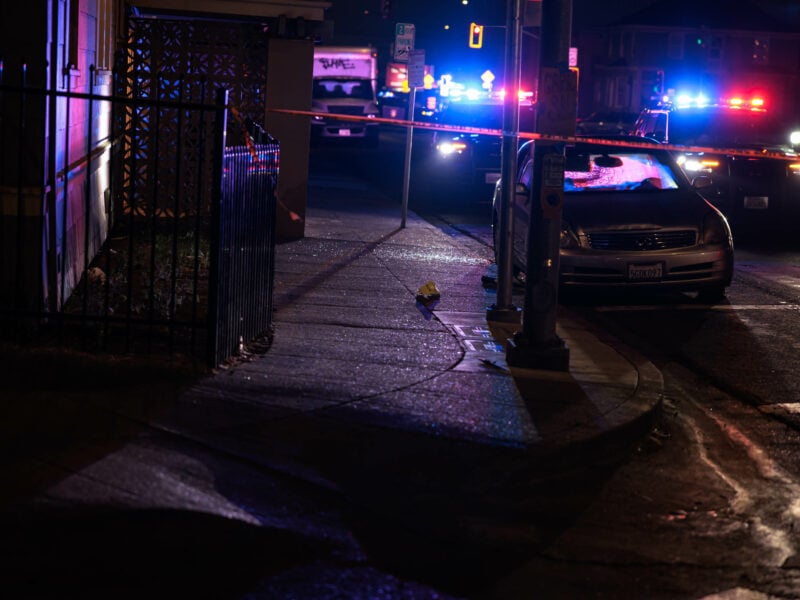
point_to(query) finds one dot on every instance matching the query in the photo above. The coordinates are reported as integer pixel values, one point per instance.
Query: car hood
(635, 211)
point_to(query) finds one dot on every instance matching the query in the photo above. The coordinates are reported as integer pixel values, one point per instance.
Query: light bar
(700, 100)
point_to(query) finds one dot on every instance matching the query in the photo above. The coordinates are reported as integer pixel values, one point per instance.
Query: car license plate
(491, 178)
(344, 132)
(648, 272)
(756, 202)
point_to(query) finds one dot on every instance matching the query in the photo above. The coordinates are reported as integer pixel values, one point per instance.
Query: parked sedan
(630, 220)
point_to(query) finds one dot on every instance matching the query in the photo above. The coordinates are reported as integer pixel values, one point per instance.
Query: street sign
(416, 68)
(487, 78)
(404, 34)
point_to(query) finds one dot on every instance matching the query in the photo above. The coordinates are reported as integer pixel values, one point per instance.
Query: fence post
(220, 129)
(21, 282)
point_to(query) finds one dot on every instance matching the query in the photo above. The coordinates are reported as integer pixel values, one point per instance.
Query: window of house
(761, 51)
(626, 45)
(72, 35)
(623, 91)
(90, 34)
(106, 34)
(715, 48)
(614, 45)
(675, 45)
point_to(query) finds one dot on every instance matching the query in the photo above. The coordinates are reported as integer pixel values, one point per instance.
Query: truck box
(345, 78)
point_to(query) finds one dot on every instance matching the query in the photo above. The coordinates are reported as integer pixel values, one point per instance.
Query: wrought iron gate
(187, 264)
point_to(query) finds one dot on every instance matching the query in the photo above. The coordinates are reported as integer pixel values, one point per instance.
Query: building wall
(80, 140)
(289, 82)
(716, 61)
(55, 150)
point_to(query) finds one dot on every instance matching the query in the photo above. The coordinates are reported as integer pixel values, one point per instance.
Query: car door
(522, 205)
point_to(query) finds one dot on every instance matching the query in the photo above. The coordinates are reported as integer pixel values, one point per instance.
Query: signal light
(475, 35)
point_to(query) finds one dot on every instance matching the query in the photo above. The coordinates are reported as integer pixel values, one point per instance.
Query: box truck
(344, 84)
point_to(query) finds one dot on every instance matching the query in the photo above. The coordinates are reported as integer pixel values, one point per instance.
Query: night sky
(359, 22)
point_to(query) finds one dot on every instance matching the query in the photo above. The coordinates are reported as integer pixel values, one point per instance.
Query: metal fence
(134, 228)
(243, 247)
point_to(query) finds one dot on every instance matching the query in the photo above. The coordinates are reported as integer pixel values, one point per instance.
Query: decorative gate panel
(177, 63)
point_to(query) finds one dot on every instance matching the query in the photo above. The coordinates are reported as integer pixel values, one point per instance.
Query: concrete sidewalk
(365, 400)
(352, 343)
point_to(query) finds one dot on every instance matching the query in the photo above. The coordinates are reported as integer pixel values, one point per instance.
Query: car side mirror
(608, 162)
(702, 181)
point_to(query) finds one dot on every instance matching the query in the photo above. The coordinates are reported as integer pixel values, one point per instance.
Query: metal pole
(504, 309)
(538, 345)
(412, 100)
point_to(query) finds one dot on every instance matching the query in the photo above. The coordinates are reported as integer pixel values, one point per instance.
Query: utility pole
(537, 345)
(504, 310)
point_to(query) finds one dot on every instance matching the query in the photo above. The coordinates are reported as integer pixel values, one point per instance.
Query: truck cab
(344, 86)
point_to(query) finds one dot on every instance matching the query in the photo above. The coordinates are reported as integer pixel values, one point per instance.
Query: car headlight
(794, 168)
(695, 164)
(568, 238)
(448, 148)
(715, 229)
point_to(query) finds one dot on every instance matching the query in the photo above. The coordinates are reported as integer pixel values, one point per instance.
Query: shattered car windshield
(616, 171)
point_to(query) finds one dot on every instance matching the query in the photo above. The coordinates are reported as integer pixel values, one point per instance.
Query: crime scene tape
(744, 152)
(237, 116)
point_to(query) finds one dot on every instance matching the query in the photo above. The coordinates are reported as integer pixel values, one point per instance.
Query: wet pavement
(380, 448)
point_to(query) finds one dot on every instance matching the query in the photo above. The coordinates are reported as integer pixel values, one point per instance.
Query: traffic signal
(386, 8)
(475, 35)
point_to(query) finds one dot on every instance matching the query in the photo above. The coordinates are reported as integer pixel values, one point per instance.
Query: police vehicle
(738, 152)
(469, 155)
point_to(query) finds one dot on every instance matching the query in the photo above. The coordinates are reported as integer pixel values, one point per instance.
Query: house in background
(714, 47)
(59, 57)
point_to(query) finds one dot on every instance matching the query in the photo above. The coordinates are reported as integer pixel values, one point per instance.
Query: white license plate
(649, 272)
(344, 132)
(756, 202)
(491, 178)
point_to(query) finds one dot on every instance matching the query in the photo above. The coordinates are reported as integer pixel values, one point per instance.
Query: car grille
(348, 110)
(641, 241)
